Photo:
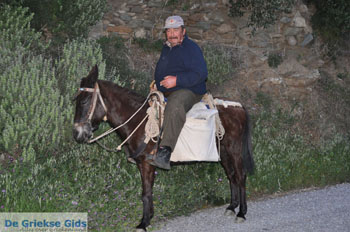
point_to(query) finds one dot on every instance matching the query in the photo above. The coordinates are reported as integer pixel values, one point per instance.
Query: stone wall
(208, 21)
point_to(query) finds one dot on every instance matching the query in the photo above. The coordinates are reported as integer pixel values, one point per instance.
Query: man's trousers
(179, 103)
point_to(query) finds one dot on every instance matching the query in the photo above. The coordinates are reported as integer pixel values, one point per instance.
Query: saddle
(197, 140)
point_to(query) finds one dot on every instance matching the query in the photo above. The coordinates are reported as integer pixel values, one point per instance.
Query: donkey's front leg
(147, 176)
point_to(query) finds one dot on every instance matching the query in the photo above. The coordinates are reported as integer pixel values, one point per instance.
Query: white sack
(197, 138)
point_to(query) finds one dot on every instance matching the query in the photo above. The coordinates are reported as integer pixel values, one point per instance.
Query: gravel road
(323, 210)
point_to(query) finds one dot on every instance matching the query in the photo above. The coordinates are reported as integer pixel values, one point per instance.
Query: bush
(77, 59)
(64, 19)
(286, 161)
(332, 22)
(23, 75)
(36, 109)
(332, 18)
(26, 125)
(17, 38)
(274, 59)
(221, 62)
(263, 13)
(148, 45)
(116, 55)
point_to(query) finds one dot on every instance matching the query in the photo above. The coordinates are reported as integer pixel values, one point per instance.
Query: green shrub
(23, 75)
(332, 18)
(264, 99)
(36, 109)
(17, 38)
(64, 18)
(263, 13)
(116, 56)
(332, 22)
(148, 45)
(77, 59)
(274, 59)
(285, 160)
(220, 62)
(26, 124)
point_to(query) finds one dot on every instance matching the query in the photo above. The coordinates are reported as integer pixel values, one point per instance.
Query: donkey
(100, 100)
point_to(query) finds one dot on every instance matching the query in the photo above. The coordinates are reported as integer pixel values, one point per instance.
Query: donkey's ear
(93, 75)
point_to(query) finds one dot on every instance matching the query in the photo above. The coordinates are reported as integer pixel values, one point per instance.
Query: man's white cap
(173, 22)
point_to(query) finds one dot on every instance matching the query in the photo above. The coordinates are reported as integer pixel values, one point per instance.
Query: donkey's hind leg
(226, 162)
(232, 162)
(240, 181)
(242, 198)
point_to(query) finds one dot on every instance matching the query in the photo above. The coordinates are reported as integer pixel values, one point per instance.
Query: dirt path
(325, 209)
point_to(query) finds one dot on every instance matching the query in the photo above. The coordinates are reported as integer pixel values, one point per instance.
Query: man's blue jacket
(186, 62)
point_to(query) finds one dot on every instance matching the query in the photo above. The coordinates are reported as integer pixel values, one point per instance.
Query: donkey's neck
(122, 103)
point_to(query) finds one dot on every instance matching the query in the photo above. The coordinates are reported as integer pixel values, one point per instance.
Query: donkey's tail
(247, 152)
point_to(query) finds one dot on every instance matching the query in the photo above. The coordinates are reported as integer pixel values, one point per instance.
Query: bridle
(96, 93)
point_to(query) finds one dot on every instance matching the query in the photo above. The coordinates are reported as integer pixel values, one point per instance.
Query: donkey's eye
(85, 101)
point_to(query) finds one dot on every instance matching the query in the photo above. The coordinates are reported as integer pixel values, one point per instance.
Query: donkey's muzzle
(82, 132)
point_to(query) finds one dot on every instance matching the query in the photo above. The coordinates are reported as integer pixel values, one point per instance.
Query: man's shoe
(162, 159)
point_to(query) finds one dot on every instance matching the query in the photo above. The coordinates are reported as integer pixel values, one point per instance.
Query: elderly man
(180, 74)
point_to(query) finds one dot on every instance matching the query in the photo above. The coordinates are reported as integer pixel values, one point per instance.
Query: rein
(96, 93)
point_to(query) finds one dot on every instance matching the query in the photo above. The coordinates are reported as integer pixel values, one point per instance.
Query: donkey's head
(90, 109)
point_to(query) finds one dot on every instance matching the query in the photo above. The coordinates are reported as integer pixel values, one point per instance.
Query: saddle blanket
(197, 138)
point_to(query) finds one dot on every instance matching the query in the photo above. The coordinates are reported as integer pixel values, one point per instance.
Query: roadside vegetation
(43, 170)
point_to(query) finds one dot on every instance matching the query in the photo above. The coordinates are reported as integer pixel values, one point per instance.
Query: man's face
(175, 35)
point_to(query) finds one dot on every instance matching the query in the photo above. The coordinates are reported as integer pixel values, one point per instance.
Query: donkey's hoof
(229, 213)
(239, 220)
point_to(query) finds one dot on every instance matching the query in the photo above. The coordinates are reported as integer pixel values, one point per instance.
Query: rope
(116, 128)
(106, 148)
(155, 116)
(220, 130)
(150, 130)
(120, 145)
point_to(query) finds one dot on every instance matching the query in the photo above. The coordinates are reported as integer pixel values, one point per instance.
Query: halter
(95, 93)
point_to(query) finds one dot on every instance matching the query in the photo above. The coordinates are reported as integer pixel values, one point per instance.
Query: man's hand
(168, 82)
